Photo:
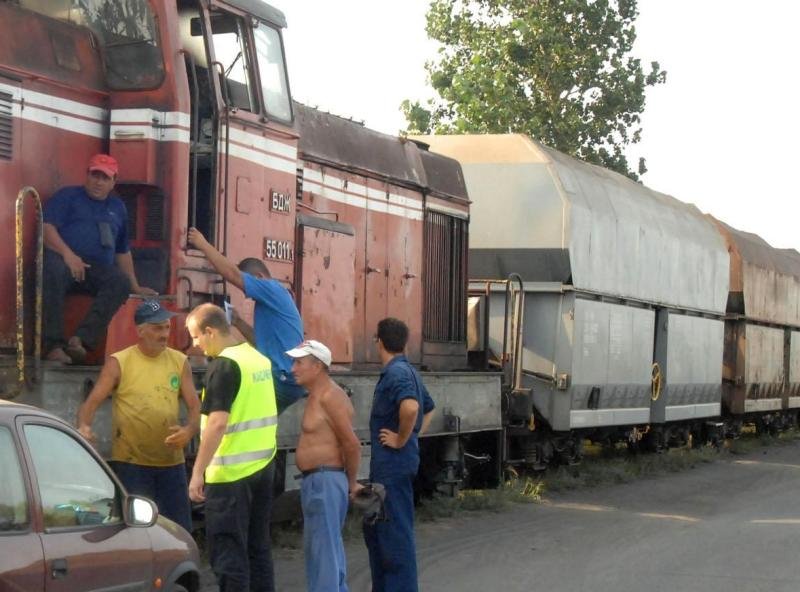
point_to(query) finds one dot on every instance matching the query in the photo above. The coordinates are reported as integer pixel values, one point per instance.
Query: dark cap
(150, 311)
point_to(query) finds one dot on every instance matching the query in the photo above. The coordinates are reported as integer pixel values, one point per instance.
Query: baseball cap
(311, 347)
(104, 163)
(150, 311)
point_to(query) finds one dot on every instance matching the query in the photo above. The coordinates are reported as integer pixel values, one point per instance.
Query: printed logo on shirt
(262, 375)
(174, 382)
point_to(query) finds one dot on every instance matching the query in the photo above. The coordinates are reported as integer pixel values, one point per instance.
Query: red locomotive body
(192, 98)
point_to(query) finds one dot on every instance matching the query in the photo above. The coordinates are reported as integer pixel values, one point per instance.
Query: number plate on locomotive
(278, 250)
(280, 202)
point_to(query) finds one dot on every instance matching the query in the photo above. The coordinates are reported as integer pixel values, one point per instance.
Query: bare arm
(106, 382)
(180, 435)
(224, 267)
(54, 242)
(408, 418)
(340, 413)
(209, 442)
(245, 329)
(426, 421)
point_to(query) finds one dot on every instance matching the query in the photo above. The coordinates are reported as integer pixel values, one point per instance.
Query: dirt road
(733, 525)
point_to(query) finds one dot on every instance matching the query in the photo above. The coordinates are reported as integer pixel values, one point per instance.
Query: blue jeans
(323, 496)
(166, 486)
(287, 391)
(390, 543)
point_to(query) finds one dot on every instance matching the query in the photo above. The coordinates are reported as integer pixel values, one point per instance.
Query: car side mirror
(140, 511)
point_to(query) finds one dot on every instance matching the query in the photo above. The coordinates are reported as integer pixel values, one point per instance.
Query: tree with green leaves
(557, 70)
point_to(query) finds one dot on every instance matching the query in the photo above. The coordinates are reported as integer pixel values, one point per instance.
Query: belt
(320, 469)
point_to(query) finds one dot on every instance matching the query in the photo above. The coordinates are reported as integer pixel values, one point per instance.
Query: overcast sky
(722, 133)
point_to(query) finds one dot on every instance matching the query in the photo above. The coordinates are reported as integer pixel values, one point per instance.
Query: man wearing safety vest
(233, 471)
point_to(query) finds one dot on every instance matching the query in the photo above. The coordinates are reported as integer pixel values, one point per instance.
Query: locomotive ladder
(20, 281)
(511, 355)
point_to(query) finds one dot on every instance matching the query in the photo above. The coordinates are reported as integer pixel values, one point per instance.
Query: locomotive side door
(251, 162)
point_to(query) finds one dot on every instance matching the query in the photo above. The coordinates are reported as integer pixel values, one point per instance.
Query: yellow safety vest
(251, 436)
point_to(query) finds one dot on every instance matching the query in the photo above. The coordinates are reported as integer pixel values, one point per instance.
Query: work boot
(75, 350)
(58, 354)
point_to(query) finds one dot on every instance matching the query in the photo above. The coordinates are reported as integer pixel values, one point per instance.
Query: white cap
(311, 347)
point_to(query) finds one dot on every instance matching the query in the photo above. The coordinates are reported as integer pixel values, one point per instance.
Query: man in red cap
(87, 250)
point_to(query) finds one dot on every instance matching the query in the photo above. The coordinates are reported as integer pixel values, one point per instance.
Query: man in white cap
(327, 455)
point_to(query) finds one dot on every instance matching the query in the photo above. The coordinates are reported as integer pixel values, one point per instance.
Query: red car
(66, 522)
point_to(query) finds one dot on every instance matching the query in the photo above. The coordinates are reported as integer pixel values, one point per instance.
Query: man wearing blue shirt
(277, 323)
(394, 424)
(87, 250)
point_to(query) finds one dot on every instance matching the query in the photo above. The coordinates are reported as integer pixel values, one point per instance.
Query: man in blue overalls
(394, 424)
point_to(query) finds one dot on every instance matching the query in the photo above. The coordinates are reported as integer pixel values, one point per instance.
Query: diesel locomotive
(548, 300)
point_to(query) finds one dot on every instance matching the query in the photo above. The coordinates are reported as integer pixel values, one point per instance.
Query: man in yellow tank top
(147, 441)
(233, 471)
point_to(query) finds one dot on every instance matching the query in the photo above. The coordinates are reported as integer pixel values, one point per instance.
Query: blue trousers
(390, 543)
(237, 532)
(323, 496)
(166, 486)
(287, 391)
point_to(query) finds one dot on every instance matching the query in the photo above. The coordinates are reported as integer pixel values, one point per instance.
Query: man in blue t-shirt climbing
(86, 250)
(277, 326)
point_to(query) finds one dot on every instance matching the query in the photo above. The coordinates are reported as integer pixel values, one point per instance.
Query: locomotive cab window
(230, 49)
(272, 70)
(127, 33)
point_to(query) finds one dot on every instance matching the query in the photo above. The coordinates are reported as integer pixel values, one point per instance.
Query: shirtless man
(327, 455)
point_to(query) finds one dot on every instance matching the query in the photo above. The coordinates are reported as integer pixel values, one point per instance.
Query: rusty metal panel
(764, 355)
(327, 285)
(793, 384)
(49, 49)
(376, 277)
(404, 261)
(763, 368)
(342, 196)
(327, 138)
(10, 184)
(765, 281)
(623, 239)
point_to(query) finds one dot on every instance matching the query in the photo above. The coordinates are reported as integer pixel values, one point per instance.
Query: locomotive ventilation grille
(445, 278)
(154, 223)
(6, 126)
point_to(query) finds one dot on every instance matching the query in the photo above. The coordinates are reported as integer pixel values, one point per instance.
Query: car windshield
(74, 488)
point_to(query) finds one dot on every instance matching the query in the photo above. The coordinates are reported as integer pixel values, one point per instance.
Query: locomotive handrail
(20, 281)
(516, 327)
(514, 376)
(195, 132)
